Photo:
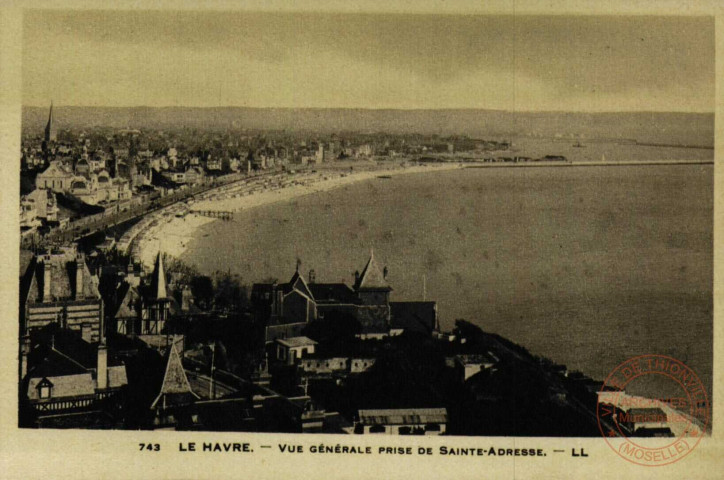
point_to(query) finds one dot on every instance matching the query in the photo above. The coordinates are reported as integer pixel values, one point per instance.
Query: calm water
(587, 266)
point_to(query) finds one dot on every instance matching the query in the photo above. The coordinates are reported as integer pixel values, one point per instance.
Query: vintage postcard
(360, 241)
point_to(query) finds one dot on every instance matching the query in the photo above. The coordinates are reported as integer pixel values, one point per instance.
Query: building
(84, 189)
(291, 350)
(176, 177)
(57, 177)
(70, 382)
(175, 395)
(194, 175)
(143, 308)
(373, 292)
(59, 288)
(287, 308)
(28, 216)
(469, 365)
(402, 421)
(640, 421)
(40, 204)
(343, 365)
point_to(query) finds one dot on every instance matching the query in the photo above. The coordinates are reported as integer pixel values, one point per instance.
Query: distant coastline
(650, 128)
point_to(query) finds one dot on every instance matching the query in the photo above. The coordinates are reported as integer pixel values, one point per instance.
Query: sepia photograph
(371, 225)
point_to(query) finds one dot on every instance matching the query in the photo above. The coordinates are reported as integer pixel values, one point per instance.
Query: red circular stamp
(663, 424)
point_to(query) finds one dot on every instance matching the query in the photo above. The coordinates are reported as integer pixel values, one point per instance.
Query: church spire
(51, 132)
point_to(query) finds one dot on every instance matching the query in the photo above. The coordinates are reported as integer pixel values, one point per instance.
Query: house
(359, 365)
(402, 421)
(66, 376)
(213, 164)
(469, 365)
(291, 350)
(287, 308)
(324, 365)
(319, 365)
(59, 288)
(194, 175)
(176, 177)
(142, 177)
(143, 308)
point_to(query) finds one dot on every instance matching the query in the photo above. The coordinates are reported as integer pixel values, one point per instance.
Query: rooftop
(293, 342)
(403, 416)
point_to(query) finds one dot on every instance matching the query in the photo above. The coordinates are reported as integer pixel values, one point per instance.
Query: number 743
(151, 447)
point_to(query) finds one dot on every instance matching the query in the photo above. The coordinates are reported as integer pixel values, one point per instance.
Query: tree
(202, 289)
(230, 294)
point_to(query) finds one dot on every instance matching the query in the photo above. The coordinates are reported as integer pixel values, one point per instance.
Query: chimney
(24, 352)
(79, 264)
(280, 303)
(312, 276)
(46, 278)
(102, 367)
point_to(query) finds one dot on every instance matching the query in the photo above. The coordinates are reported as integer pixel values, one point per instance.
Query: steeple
(158, 279)
(51, 132)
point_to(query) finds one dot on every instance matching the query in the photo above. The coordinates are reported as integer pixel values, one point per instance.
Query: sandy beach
(173, 228)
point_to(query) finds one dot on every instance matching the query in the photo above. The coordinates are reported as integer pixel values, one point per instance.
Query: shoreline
(164, 230)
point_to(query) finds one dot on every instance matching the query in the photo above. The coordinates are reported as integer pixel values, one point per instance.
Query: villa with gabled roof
(287, 308)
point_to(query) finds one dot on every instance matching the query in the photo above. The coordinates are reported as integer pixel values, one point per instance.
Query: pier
(222, 214)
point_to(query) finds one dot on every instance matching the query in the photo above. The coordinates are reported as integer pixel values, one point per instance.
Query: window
(45, 392)
(44, 389)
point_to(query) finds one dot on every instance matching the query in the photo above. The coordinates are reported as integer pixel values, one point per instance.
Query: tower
(157, 301)
(371, 286)
(51, 131)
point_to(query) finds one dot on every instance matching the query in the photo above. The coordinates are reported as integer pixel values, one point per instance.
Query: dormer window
(45, 389)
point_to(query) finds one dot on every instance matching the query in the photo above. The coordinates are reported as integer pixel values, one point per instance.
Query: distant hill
(655, 127)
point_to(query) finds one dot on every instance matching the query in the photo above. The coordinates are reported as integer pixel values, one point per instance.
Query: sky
(353, 60)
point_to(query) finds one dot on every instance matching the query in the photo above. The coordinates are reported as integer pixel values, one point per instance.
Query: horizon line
(400, 109)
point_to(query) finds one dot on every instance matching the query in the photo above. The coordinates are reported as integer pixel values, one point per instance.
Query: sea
(587, 266)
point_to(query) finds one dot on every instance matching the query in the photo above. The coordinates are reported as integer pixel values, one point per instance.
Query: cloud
(373, 61)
